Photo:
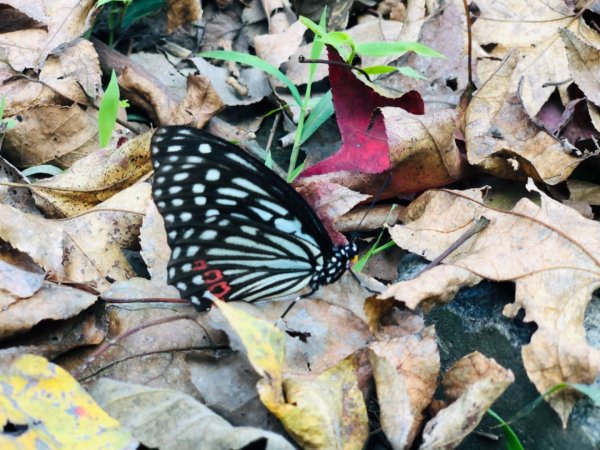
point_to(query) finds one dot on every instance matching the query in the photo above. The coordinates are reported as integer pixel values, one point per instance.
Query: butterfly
(236, 229)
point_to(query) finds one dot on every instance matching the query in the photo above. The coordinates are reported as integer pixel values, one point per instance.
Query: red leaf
(356, 104)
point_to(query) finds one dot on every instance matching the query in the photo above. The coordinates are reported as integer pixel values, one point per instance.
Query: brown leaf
(476, 382)
(422, 147)
(549, 251)
(20, 199)
(502, 140)
(330, 201)
(533, 29)
(51, 134)
(405, 371)
(95, 240)
(155, 248)
(180, 12)
(94, 179)
(53, 338)
(584, 64)
(63, 20)
(39, 238)
(52, 301)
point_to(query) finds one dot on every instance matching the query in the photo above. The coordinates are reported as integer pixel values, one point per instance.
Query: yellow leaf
(265, 349)
(51, 410)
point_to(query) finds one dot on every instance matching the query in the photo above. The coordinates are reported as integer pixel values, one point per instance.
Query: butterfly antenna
(376, 198)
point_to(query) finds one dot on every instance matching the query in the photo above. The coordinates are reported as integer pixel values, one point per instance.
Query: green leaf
(322, 111)
(109, 108)
(45, 169)
(296, 172)
(139, 9)
(339, 40)
(377, 49)
(317, 29)
(512, 440)
(255, 61)
(378, 70)
(410, 72)
(104, 2)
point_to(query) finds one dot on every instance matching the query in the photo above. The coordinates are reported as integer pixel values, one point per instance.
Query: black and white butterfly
(236, 229)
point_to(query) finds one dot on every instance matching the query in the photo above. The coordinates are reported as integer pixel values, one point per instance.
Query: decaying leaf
(550, 252)
(50, 302)
(473, 383)
(320, 412)
(169, 419)
(501, 139)
(405, 371)
(94, 240)
(52, 410)
(584, 64)
(534, 30)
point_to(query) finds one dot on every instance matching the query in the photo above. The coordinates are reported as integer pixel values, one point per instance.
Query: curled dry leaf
(474, 383)
(172, 420)
(534, 30)
(51, 302)
(55, 338)
(405, 371)
(199, 104)
(499, 134)
(584, 64)
(94, 179)
(549, 251)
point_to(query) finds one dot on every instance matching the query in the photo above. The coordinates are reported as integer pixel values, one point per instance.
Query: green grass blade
(378, 49)
(411, 73)
(512, 440)
(107, 113)
(379, 70)
(255, 61)
(322, 111)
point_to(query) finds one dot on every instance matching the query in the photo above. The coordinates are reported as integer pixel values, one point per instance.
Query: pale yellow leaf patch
(54, 408)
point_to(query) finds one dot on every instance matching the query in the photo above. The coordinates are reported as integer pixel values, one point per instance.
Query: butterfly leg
(361, 284)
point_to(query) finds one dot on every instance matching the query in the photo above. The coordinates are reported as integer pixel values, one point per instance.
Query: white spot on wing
(213, 174)
(181, 176)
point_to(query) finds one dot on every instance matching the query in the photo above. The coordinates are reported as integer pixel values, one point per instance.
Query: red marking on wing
(213, 279)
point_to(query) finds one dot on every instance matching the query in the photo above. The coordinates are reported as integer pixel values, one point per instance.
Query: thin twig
(107, 344)
(478, 226)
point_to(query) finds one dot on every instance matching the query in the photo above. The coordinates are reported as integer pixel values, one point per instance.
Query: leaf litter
(533, 117)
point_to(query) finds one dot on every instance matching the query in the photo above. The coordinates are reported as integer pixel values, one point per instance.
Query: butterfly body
(236, 230)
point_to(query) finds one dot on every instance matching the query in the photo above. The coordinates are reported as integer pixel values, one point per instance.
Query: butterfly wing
(235, 228)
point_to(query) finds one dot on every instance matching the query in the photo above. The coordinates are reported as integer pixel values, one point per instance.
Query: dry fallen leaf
(52, 410)
(534, 30)
(94, 179)
(502, 140)
(584, 64)
(169, 419)
(95, 239)
(320, 411)
(474, 383)
(549, 251)
(405, 371)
